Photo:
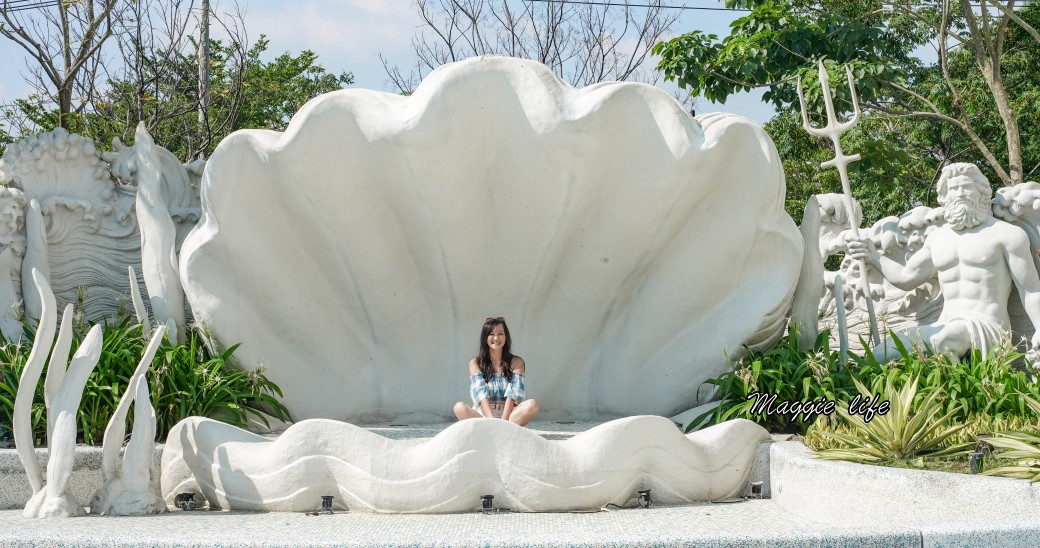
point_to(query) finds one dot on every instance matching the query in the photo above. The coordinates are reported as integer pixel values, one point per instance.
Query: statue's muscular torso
(973, 268)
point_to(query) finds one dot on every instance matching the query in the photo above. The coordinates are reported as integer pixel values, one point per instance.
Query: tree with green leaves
(150, 70)
(977, 101)
(891, 178)
(245, 92)
(63, 41)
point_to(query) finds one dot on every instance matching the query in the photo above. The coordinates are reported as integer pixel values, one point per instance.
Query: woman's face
(497, 337)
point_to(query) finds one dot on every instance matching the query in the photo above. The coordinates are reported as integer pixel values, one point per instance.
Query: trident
(834, 130)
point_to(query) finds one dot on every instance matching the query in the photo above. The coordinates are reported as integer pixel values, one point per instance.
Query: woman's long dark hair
(484, 355)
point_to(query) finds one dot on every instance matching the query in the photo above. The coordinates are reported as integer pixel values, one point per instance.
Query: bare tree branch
(581, 43)
(1008, 11)
(64, 44)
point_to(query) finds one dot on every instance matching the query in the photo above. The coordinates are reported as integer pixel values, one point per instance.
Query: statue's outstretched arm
(918, 269)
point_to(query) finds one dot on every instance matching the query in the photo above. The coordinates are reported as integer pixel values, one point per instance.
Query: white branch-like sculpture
(158, 239)
(128, 491)
(23, 440)
(56, 367)
(36, 257)
(63, 390)
(139, 310)
(56, 501)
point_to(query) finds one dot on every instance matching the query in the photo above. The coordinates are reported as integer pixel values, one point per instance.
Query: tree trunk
(64, 104)
(987, 45)
(203, 62)
(1007, 115)
(65, 85)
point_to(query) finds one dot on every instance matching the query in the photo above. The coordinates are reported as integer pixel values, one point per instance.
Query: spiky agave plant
(912, 427)
(1022, 447)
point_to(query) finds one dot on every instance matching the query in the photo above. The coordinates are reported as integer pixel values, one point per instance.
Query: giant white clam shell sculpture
(630, 247)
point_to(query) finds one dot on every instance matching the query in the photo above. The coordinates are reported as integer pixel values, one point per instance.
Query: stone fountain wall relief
(71, 211)
(630, 246)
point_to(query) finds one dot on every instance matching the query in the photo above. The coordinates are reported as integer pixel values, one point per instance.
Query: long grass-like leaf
(909, 429)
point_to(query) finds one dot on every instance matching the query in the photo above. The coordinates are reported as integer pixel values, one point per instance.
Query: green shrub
(12, 357)
(971, 387)
(184, 380)
(913, 426)
(969, 435)
(969, 391)
(787, 370)
(1021, 447)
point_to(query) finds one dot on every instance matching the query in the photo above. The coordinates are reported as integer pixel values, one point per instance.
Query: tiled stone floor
(749, 523)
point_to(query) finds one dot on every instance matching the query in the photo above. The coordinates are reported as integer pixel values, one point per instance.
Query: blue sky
(349, 35)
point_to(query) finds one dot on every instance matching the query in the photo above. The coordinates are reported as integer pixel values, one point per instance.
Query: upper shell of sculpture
(629, 246)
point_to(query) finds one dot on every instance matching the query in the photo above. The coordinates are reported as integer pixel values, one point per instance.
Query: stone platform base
(86, 475)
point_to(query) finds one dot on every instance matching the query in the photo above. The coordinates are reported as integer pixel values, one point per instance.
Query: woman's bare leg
(524, 412)
(463, 412)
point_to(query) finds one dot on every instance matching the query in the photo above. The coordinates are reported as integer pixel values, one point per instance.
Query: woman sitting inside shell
(496, 379)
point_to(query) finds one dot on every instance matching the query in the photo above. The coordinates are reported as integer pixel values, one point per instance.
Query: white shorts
(496, 410)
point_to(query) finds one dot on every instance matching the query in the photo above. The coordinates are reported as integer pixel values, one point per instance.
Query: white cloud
(346, 34)
(384, 8)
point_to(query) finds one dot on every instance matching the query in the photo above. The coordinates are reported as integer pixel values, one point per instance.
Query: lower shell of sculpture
(608, 464)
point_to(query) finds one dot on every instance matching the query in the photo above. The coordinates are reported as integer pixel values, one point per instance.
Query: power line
(630, 5)
(26, 5)
(19, 3)
(695, 8)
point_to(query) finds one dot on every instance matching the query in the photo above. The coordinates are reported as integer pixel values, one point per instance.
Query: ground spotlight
(756, 489)
(486, 503)
(184, 501)
(644, 498)
(326, 506)
(975, 462)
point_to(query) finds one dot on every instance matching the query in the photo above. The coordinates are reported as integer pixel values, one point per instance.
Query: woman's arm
(508, 409)
(515, 391)
(478, 388)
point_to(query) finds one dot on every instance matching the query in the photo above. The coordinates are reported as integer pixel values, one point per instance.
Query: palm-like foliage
(978, 390)
(911, 427)
(1024, 447)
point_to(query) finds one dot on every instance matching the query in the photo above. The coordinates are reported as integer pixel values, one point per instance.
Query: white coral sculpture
(63, 390)
(132, 492)
(129, 490)
(158, 239)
